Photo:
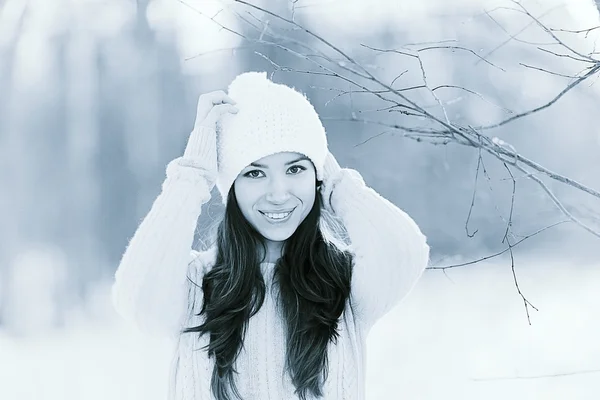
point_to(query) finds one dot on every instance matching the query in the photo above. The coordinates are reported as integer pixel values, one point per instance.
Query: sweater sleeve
(390, 251)
(151, 285)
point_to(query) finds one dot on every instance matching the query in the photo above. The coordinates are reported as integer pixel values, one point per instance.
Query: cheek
(306, 190)
(246, 197)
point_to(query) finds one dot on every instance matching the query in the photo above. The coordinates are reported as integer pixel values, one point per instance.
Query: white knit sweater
(153, 287)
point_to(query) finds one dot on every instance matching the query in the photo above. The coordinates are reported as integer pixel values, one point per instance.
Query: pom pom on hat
(272, 118)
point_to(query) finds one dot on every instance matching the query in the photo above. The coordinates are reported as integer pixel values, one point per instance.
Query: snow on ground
(464, 336)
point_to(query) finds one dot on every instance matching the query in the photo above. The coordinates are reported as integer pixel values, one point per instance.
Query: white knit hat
(272, 118)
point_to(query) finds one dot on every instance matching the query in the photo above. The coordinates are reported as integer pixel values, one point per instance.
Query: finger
(226, 99)
(219, 110)
(219, 97)
(208, 100)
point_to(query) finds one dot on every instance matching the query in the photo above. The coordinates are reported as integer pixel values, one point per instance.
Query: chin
(277, 236)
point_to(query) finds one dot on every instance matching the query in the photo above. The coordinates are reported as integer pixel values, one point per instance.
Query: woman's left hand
(331, 174)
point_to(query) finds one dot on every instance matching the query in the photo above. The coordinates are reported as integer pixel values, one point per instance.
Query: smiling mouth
(277, 217)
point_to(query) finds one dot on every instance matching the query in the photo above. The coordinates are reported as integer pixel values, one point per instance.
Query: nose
(278, 190)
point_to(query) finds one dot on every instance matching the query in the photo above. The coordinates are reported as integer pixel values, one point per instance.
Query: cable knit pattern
(201, 150)
(158, 287)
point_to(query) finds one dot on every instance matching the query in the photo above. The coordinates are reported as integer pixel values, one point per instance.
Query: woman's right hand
(202, 141)
(211, 106)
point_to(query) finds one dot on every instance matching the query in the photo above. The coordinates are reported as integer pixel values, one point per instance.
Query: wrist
(202, 148)
(327, 188)
(192, 170)
(331, 167)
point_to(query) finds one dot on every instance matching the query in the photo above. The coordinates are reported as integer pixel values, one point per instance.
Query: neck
(274, 251)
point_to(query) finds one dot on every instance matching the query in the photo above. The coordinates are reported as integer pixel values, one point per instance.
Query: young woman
(306, 259)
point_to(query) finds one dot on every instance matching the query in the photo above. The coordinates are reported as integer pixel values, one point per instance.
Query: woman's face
(276, 193)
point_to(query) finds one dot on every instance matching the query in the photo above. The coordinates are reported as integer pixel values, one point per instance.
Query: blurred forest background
(97, 96)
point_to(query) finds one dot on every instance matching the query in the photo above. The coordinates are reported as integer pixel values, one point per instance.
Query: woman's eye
(253, 174)
(296, 169)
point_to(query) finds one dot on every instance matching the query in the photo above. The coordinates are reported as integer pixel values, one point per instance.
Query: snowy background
(96, 96)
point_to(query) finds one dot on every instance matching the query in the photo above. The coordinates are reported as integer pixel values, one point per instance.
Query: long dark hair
(313, 277)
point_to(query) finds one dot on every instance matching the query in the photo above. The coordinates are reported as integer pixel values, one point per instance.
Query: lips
(277, 216)
(278, 211)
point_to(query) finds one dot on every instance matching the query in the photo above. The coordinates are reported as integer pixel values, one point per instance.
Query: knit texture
(158, 287)
(272, 118)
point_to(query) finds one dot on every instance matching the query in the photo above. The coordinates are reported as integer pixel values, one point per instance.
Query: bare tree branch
(559, 204)
(444, 130)
(511, 37)
(210, 18)
(398, 77)
(548, 71)
(526, 302)
(551, 33)
(567, 56)
(473, 197)
(489, 257)
(579, 80)
(472, 92)
(586, 31)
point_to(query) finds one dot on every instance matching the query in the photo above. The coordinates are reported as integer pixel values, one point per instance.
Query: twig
(429, 43)
(232, 49)
(549, 31)
(473, 197)
(397, 77)
(547, 71)
(591, 72)
(478, 260)
(489, 182)
(526, 302)
(432, 92)
(371, 138)
(588, 30)
(546, 376)
(212, 19)
(567, 56)
(389, 51)
(464, 49)
(374, 122)
(510, 36)
(432, 48)
(512, 204)
(558, 204)
(472, 92)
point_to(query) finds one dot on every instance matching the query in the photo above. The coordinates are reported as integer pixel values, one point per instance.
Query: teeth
(277, 215)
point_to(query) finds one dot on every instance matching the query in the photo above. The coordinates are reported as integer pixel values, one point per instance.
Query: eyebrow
(287, 163)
